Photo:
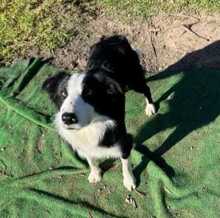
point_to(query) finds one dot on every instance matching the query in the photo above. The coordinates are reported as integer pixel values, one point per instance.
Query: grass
(43, 25)
(146, 8)
(28, 25)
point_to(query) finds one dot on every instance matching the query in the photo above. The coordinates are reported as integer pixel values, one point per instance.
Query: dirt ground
(162, 40)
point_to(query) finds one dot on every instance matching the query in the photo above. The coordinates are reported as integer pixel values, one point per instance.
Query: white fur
(150, 108)
(95, 174)
(86, 140)
(75, 104)
(128, 177)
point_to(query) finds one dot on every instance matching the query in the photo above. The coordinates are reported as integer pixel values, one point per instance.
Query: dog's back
(114, 57)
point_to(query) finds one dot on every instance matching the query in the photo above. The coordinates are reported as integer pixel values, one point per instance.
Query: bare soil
(162, 40)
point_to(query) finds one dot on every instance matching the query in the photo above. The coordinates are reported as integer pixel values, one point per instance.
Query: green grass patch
(50, 24)
(146, 8)
(43, 25)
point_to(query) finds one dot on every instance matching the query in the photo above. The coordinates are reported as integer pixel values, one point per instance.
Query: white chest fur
(86, 140)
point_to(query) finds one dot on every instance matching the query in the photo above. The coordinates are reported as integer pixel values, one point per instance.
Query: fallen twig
(188, 28)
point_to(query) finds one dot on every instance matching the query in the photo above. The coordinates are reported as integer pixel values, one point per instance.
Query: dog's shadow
(194, 103)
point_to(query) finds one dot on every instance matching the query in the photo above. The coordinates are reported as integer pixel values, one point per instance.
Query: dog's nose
(69, 118)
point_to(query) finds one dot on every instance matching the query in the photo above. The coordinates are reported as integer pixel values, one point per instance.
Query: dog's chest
(86, 141)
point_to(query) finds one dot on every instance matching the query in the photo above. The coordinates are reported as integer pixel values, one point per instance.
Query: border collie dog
(91, 105)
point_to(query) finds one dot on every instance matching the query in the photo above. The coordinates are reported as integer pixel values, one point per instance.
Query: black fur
(105, 95)
(114, 57)
(113, 68)
(126, 143)
(110, 137)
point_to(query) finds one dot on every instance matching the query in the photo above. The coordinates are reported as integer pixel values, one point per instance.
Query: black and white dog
(91, 105)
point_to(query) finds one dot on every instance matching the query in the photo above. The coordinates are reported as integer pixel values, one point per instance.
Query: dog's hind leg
(149, 108)
(95, 173)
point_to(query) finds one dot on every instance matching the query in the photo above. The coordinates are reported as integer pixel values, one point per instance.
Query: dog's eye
(64, 93)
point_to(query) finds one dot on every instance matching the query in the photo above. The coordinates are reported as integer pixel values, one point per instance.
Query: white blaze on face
(75, 104)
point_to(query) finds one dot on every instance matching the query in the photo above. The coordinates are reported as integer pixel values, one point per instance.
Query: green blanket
(176, 160)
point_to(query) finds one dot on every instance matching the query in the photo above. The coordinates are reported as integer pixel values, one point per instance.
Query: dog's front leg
(95, 173)
(128, 177)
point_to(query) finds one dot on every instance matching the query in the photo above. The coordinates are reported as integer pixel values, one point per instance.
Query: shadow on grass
(31, 71)
(68, 204)
(193, 102)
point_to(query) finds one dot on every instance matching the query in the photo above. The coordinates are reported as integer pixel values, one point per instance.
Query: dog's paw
(150, 109)
(129, 182)
(95, 176)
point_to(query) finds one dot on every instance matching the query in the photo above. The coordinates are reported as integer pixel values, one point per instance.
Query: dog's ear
(56, 86)
(51, 83)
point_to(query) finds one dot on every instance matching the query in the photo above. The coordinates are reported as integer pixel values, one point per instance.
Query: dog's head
(82, 99)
